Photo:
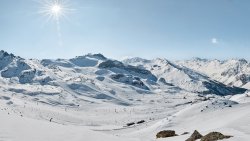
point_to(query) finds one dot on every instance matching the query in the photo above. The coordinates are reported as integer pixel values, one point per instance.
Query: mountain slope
(96, 98)
(184, 77)
(233, 72)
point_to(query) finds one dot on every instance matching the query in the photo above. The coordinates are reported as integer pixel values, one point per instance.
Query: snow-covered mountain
(142, 97)
(93, 72)
(183, 76)
(233, 72)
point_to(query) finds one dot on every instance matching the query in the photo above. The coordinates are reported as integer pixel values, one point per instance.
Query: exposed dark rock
(185, 133)
(5, 59)
(137, 71)
(130, 124)
(15, 69)
(99, 56)
(45, 80)
(162, 80)
(130, 80)
(166, 134)
(196, 135)
(117, 76)
(230, 72)
(141, 121)
(100, 78)
(221, 89)
(111, 64)
(244, 78)
(214, 136)
(27, 76)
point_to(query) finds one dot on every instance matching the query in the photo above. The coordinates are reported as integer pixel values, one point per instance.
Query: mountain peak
(5, 54)
(97, 56)
(199, 59)
(238, 61)
(135, 60)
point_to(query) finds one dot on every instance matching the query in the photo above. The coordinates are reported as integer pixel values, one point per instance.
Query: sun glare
(55, 9)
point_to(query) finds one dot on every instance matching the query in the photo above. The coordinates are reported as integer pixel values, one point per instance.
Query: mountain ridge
(141, 75)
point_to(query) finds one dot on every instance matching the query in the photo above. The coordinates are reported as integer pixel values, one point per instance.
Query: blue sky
(174, 29)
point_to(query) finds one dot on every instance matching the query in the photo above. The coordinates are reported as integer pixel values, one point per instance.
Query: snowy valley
(95, 98)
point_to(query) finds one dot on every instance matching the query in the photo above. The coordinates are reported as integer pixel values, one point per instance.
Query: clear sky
(174, 29)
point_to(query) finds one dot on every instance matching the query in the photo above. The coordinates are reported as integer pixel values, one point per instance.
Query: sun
(55, 9)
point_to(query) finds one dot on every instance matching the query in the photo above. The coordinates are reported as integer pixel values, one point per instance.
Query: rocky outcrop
(196, 135)
(218, 88)
(244, 78)
(5, 59)
(15, 69)
(111, 64)
(163, 81)
(130, 80)
(97, 56)
(27, 76)
(166, 134)
(214, 136)
(137, 71)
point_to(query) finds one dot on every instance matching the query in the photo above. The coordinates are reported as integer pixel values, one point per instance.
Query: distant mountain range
(93, 77)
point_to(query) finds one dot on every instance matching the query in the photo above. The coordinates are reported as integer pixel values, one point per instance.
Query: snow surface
(94, 98)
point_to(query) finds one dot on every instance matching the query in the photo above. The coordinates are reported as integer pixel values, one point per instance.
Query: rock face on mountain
(18, 68)
(119, 67)
(12, 66)
(15, 69)
(221, 89)
(5, 59)
(130, 80)
(27, 76)
(163, 81)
